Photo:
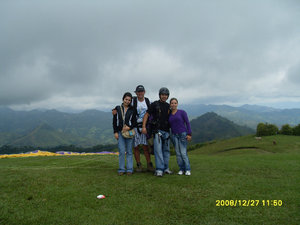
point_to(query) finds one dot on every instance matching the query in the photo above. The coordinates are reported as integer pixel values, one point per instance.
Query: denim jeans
(125, 146)
(161, 150)
(180, 144)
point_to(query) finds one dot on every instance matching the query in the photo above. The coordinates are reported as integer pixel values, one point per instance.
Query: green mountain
(211, 126)
(88, 128)
(44, 135)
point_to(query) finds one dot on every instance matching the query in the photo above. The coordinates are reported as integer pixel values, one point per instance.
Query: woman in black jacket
(124, 144)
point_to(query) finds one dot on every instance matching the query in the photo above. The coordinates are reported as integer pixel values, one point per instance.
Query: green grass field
(63, 190)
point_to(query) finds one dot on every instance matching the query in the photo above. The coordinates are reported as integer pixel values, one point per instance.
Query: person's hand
(116, 136)
(188, 137)
(114, 112)
(125, 128)
(144, 130)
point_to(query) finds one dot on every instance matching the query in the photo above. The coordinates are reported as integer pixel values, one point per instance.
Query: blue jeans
(161, 150)
(125, 146)
(180, 144)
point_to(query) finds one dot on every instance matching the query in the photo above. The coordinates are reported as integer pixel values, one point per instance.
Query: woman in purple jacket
(181, 134)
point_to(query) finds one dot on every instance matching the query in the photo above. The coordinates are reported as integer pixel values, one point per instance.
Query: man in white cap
(141, 103)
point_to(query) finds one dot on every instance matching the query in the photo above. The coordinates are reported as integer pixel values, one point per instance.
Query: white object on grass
(100, 196)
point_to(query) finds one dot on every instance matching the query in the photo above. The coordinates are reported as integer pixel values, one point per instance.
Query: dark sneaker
(129, 173)
(121, 173)
(150, 167)
(139, 167)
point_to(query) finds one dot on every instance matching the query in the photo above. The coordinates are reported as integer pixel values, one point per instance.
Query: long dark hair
(127, 94)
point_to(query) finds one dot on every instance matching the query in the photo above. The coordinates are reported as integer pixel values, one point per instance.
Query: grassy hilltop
(63, 190)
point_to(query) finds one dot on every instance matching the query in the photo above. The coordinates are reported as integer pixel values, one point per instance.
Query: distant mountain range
(248, 115)
(49, 128)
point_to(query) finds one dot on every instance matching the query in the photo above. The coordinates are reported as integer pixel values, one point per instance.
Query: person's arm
(145, 119)
(188, 126)
(115, 128)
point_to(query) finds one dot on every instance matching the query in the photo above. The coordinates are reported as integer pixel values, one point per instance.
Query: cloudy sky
(71, 54)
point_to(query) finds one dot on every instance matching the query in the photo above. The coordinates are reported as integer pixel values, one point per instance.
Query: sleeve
(187, 122)
(133, 119)
(115, 127)
(150, 110)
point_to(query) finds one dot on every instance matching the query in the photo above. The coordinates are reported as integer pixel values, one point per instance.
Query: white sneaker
(180, 172)
(188, 173)
(158, 173)
(168, 171)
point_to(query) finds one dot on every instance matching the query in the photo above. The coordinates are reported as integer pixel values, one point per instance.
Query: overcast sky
(85, 54)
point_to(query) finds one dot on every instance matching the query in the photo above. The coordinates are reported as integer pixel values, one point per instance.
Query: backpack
(135, 102)
(153, 124)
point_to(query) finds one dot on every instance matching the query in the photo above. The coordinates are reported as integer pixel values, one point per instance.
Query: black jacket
(130, 118)
(160, 112)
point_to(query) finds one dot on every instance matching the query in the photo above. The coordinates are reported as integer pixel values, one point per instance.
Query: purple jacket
(179, 122)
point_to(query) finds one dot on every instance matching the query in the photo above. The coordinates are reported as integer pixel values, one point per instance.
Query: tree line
(265, 129)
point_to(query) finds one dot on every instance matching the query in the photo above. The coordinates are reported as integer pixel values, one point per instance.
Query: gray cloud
(293, 74)
(86, 54)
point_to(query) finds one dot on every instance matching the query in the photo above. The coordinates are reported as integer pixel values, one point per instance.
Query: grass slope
(63, 190)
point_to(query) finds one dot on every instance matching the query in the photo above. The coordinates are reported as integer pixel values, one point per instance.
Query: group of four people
(151, 120)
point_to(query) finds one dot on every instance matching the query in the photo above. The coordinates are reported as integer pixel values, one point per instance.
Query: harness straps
(160, 137)
(123, 116)
(135, 102)
(135, 99)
